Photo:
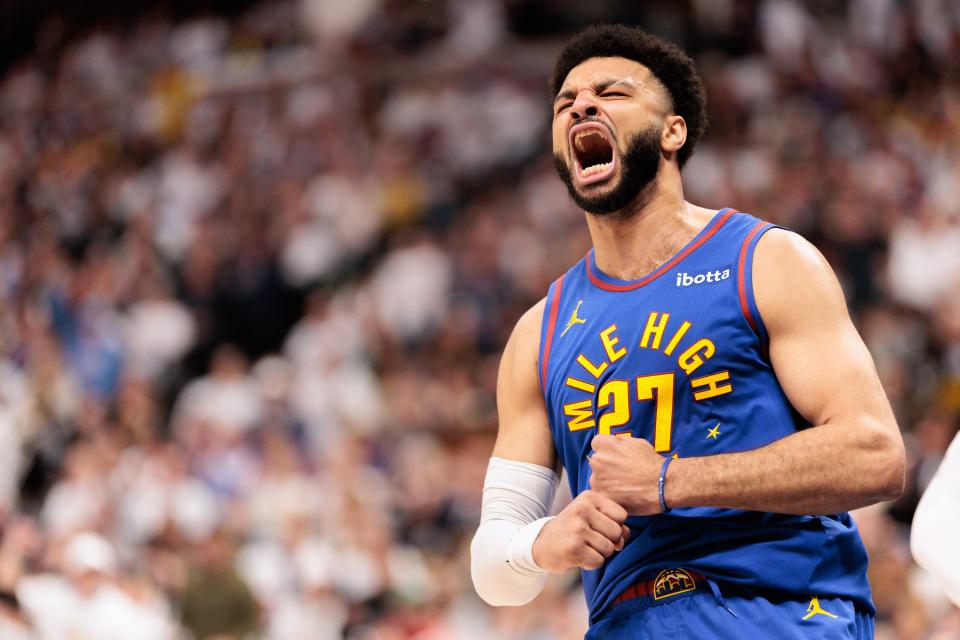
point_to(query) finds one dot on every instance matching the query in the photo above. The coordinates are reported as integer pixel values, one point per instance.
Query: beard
(638, 168)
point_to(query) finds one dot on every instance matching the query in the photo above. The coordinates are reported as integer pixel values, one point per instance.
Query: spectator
(216, 603)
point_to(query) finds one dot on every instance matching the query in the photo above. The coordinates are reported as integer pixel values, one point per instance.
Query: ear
(674, 134)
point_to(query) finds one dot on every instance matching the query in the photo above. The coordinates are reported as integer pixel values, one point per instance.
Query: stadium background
(257, 262)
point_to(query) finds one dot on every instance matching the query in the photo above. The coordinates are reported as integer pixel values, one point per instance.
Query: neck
(631, 243)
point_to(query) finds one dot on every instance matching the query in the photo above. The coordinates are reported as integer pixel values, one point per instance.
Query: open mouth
(593, 153)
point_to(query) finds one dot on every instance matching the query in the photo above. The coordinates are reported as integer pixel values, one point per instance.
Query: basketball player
(936, 524)
(698, 377)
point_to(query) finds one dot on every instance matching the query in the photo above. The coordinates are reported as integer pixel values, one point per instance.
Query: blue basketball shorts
(704, 613)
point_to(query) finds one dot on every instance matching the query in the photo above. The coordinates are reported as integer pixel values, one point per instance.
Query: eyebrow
(599, 87)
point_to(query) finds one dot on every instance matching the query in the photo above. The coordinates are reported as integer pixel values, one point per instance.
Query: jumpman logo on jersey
(814, 608)
(574, 319)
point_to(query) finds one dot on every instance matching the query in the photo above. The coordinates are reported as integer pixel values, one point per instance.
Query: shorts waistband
(663, 587)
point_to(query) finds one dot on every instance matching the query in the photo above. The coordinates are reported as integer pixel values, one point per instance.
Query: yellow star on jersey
(713, 433)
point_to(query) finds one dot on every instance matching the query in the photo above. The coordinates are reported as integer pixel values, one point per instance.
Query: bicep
(524, 432)
(819, 358)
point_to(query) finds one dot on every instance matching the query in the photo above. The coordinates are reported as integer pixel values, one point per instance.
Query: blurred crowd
(256, 273)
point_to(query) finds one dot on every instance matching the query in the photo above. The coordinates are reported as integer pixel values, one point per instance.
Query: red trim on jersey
(551, 325)
(666, 267)
(741, 277)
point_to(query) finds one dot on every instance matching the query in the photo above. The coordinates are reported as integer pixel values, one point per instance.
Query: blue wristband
(663, 479)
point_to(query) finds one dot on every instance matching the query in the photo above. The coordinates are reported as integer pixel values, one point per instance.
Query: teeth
(596, 168)
(580, 135)
(587, 132)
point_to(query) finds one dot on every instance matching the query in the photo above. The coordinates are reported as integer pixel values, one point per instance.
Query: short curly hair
(671, 66)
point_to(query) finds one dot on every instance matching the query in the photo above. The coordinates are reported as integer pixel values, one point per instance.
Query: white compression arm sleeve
(936, 524)
(516, 500)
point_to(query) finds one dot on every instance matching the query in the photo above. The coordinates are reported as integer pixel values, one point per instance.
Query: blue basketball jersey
(679, 358)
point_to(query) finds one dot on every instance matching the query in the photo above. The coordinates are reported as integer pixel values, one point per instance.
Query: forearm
(936, 525)
(933, 540)
(516, 499)
(825, 469)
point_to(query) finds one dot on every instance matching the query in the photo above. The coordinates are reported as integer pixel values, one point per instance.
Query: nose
(584, 105)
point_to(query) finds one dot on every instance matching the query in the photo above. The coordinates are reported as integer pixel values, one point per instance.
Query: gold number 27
(658, 387)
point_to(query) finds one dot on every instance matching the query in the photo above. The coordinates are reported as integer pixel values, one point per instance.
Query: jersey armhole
(547, 327)
(748, 303)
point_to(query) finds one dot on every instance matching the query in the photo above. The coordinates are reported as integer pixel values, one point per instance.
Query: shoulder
(789, 258)
(530, 322)
(524, 342)
(793, 281)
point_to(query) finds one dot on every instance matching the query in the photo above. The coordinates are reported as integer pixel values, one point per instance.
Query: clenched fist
(584, 534)
(626, 470)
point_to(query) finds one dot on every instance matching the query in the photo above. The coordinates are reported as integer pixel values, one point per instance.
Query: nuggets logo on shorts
(670, 582)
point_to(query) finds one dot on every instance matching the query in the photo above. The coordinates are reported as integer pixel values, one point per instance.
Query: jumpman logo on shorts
(814, 608)
(574, 319)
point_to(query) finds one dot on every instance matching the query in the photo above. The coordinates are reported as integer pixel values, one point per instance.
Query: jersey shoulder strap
(548, 327)
(753, 230)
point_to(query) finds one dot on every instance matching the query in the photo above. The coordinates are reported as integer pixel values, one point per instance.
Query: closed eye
(613, 94)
